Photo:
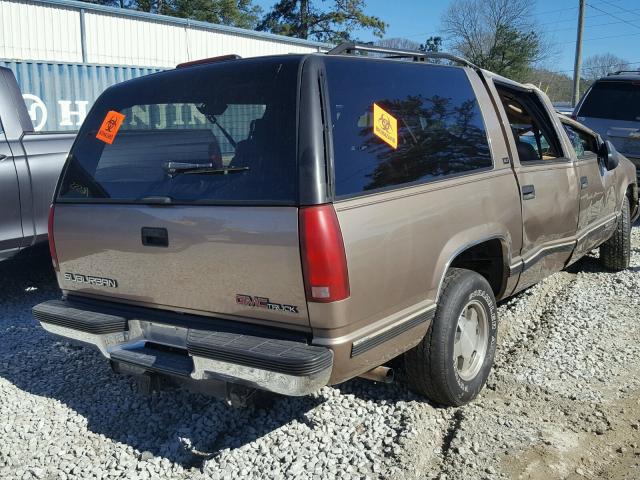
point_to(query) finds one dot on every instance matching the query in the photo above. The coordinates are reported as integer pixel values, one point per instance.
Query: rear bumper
(189, 346)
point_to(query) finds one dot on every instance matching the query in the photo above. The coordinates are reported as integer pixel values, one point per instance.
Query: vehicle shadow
(25, 273)
(185, 428)
(587, 264)
(591, 264)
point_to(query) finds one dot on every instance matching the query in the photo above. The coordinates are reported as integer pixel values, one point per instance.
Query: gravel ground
(562, 402)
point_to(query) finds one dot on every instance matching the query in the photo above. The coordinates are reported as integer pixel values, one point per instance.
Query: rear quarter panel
(398, 248)
(399, 245)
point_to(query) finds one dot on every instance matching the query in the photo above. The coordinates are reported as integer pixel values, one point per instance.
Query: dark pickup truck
(30, 164)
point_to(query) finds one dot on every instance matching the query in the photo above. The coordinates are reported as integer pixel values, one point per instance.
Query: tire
(431, 368)
(615, 253)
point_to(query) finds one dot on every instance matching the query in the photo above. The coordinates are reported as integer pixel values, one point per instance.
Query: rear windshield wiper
(177, 168)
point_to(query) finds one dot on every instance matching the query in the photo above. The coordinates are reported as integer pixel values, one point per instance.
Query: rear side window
(430, 120)
(214, 133)
(613, 100)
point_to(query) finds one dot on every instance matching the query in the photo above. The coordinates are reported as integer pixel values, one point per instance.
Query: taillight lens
(324, 262)
(52, 242)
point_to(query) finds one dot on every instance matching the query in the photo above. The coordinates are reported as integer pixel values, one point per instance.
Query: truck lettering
(66, 113)
(91, 280)
(263, 302)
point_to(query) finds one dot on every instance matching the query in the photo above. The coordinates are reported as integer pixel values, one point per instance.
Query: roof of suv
(623, 75)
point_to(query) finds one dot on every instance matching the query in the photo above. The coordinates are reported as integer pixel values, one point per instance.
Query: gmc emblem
(264, 302)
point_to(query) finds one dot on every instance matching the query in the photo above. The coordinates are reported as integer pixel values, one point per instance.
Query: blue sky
(610, 26)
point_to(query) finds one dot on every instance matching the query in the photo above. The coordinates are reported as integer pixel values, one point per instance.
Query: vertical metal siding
(41, 41)
(125, 41)
(39, 32)
(52, 91)
(49, 30)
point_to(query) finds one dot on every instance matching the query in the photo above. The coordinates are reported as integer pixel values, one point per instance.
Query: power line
(611, 36)
(613, 16)
(625, 10)
(590, 26)
(570, 19)
(599, 66)
(543, 24)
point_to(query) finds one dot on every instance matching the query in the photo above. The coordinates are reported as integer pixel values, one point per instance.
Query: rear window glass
(397, 123)
(216, 133)
(613, 100)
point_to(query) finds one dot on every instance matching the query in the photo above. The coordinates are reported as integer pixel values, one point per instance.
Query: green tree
(511, 52)
(433, 44)
(236, 13)
(499, 35)
(335, 24)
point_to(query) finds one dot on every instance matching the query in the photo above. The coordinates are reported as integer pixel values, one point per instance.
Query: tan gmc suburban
(288, 222)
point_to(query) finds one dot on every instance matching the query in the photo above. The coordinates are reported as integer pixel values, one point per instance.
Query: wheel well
(487, 259)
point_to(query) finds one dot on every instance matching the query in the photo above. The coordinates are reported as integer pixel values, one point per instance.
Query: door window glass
(583, 143)
(534, 137)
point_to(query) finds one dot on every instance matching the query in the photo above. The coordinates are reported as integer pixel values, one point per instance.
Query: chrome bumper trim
(204, 368)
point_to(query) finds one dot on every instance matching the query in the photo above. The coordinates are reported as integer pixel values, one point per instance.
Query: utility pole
(578, 63)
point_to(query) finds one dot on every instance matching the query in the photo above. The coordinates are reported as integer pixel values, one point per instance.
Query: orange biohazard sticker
(110, 126)
(385, 126)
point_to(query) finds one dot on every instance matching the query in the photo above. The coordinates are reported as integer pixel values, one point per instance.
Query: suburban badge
(96, 281)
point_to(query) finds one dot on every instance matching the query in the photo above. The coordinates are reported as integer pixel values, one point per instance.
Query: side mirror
(607, 152)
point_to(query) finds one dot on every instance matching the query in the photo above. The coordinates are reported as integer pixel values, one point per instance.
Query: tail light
(52, 242)
(324, 263)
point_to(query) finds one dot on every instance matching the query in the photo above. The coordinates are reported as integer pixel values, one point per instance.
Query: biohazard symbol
(385, 123)
(385, 126)
(110, 126)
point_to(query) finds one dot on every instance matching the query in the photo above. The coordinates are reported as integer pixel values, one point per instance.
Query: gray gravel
(562, 402)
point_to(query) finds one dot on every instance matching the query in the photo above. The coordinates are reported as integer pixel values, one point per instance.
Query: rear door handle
(584, 183)
(528, 192)
(2, 156)
(155, 237)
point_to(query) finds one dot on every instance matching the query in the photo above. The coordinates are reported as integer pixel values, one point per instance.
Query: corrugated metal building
(65, 53)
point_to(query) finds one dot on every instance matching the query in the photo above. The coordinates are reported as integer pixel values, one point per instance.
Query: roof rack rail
(624, 71)
(350, 48)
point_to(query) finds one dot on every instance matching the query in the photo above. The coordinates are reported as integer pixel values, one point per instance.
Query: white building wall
(39, 32)
(50, 30)
(115, 40)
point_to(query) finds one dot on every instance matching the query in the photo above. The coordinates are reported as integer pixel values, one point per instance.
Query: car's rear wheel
(615, 253)
(452, 362)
